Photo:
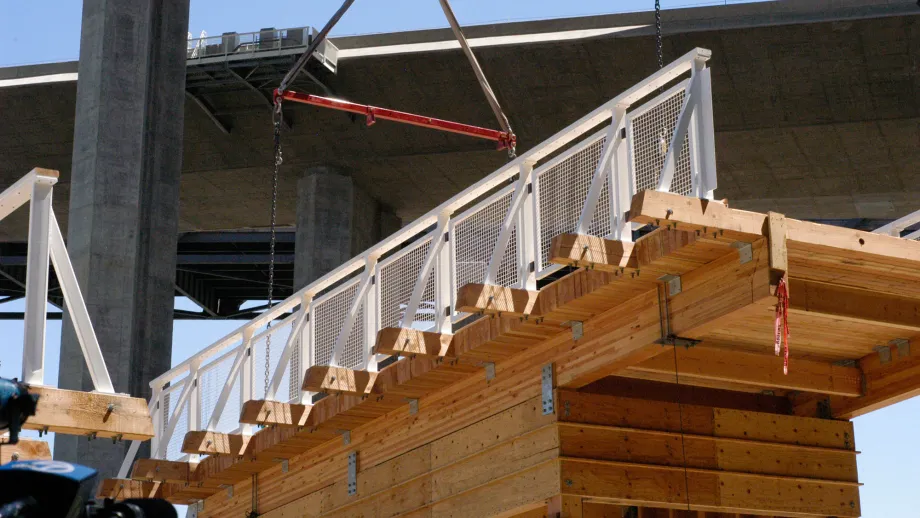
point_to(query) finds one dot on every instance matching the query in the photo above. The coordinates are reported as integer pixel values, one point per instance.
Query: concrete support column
(124, 199)
(336, 220)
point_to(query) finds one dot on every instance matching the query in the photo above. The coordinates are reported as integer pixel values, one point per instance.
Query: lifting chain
(658, 33)
(276, 121)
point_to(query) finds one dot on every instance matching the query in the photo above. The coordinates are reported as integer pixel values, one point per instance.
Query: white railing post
(676, 141)
(527, 231)
(194, 405)
(618, 180)
(444, 285)
(33, 350)
(525, 173)
(157, 416)
(418, 289)
(371, 320)
(246, 375)
(306, 353)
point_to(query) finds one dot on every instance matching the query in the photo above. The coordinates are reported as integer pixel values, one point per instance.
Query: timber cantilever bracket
(403, 341)
(93, 414)
(492, 299)
(593, 252)
(330, 379)
(275, 413)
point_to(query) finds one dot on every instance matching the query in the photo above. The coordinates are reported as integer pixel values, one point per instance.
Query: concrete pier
(124, 199)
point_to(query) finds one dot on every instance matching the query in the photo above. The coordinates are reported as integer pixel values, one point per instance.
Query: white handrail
(500, 223)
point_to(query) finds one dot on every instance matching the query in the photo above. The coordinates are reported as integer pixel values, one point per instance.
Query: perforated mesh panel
(562, 191)
(295, 371)
(279, 335)
(174, 446)
(330, 316)
(398, 277)
(651, 133)
(211, 382)
(474, 239)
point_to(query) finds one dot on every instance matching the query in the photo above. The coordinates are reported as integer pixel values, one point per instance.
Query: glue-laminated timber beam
(886, 383)
(717, 365)
(405, 342)
(329, 379)
(25, 449)
(274, 413)
(216, 443)
(87, 413)
(156, 470)
(854, 305)
(816, 252)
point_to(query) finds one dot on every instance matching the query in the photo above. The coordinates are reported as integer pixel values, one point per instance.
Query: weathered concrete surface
(124, 199)
(817, 111)
(336, 220)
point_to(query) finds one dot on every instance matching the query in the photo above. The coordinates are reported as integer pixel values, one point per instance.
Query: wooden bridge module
(460, 425)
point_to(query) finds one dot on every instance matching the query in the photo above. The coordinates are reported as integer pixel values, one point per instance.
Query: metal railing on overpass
(235, 45)
(496, 231)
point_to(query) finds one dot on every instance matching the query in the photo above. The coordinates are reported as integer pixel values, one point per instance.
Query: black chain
(276, 119)
(658, 33)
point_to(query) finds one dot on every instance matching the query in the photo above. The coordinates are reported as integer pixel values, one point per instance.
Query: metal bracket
(823, 410)
(578, 328)
(903, 345)
(672, 282)
(490, 370)
(413, 406)
(346, 436)
(845, 363)
(546, 388)
(229, 489)
(193, 509)
(884, 353)
(745, 252)
(285, 465)
(353, 473)
(678, 341)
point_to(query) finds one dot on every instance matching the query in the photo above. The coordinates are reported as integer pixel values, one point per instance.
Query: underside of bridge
(817, 114)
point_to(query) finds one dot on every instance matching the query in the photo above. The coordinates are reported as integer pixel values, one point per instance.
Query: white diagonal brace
(76, 307)
(363, 284)
(285, 359)
(190, 382)
(617, 123)
(511, 217)
(228, 386)
(35, 318)
(677, 138)
(705, 130)
(437, 242)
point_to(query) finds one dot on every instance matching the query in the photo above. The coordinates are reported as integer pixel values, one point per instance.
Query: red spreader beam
(505, 140)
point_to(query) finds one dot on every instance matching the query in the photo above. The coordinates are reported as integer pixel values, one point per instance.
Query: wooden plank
(854, 305)
(776, 233)
(216, 443)
(274, 413)
(83, 413)
(706, 452)
(326, 378)
(886, 384)
(592, 252)
(155, 470)
(25, 449)
(708, 490)
(580, 407)
(405, 342)
(121, 489)
(686, 213)
(716, 364)
(487, 298)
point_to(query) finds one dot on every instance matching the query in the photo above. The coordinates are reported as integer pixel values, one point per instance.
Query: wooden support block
(406, 342)
(715, 365)
(25, 449)
(686, 213)
(84, 413)
(216, 443)
(120, 489)
(155, 470)
(592, 252)
(274, 413)
(338, 380)
(486, 298)
(776, 234)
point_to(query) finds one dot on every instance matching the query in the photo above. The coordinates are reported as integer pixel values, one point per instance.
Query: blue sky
(35, 32)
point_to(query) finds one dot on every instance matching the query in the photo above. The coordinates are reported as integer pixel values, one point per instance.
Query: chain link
(276, 120)
(658, 33)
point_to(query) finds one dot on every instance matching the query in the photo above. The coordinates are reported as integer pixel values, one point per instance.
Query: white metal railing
(898, 226)
(234, 44)
(497, 231)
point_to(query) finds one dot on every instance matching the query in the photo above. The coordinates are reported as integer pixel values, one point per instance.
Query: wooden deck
(456, 426)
